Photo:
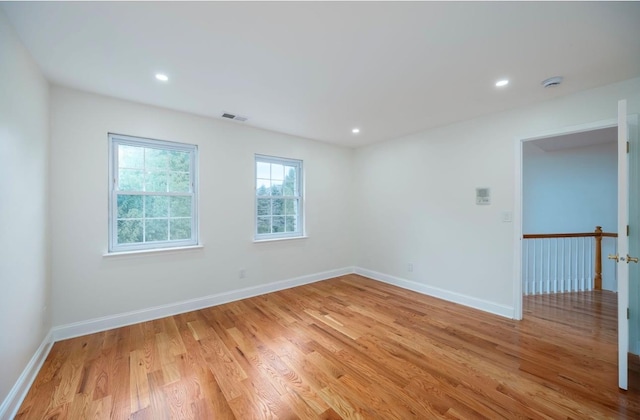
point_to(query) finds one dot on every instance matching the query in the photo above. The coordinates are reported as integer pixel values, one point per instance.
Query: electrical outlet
(410, 267)
(242, 273)
(507, 216)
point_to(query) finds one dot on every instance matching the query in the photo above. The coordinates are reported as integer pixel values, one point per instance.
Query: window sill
(292, 238)
(152, 251)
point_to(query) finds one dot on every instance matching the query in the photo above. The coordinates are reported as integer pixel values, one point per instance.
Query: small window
(152, 194)
(278, 198)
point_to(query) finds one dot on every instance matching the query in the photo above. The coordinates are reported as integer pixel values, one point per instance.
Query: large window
(153, 194)
(278, 198)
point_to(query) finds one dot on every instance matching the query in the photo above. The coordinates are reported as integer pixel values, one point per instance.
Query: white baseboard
(11, 404)
(483, 305)
(91, 326)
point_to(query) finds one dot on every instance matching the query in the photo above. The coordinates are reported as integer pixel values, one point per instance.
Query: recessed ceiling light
(355, 130)
(501, 83)
(162, 77)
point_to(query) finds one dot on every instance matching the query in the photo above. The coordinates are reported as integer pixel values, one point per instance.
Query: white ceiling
(582, 139)
(318, 69)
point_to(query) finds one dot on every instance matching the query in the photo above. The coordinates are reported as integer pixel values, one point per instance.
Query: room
(394, 203)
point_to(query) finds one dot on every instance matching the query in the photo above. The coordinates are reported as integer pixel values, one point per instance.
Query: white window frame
(300, 228)
(116, 140)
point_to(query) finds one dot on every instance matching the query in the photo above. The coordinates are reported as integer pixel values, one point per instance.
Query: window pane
(290, 223)
(263, 187)
(264, 206)
(278, 224)
(179, 161)
(290, 172)
(180, 229)
(156, 206)
(277, 172)
(291, 181)
(156, 230)
(291, 207)
(276, 187)
(130, 180)
(264, 224)
(289, 188)
(179, 182)
(180, 206)
(130, 157)
(156, 159)
(156, 181)
(129, 231)
(129, 206)
(263, 170)
(278, 206)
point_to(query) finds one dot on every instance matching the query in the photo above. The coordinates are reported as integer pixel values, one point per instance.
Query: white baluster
(554, 263)
(525, 257)
(580, 263)
(533, 271)
(577, 287)
(549, 267)
(562, 241)
(570, 274)
(541, 268)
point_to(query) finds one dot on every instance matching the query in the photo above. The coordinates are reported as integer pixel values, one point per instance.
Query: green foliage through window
(153, 194)
(278, 197)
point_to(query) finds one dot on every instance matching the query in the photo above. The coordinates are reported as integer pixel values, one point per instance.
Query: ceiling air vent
(552, 81)
(234, 117)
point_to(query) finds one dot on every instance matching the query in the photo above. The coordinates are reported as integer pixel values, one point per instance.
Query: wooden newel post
(597, 281)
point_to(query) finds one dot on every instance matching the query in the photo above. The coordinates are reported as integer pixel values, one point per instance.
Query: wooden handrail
(598, 234)
(568, 235)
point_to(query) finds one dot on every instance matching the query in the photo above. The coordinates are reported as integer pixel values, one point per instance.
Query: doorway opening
(565, 183)
(569, 213)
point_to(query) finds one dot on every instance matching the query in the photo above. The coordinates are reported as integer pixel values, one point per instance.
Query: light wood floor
(348, 347)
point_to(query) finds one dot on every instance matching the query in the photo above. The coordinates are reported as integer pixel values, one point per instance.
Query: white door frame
(517, 206)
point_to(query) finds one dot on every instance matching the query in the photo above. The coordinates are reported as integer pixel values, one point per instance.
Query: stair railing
(563, 262)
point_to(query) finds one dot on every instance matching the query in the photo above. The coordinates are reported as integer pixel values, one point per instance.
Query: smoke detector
(552, 81)
(234, 117)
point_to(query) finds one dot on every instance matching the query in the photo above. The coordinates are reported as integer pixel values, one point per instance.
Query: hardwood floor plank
(300, 406)
(199, 329)
(138, 384)
(119, 374)
(101, 378)
(35, 408)
(213, 399)
(70, 376)
(225, 368)
(344, 408)
(159, 408)
(350, 348)
(99, 409)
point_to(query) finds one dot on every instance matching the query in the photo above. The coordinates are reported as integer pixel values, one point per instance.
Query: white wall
(415, 195)
(572, 190)
(88, 285)
(24, 237)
